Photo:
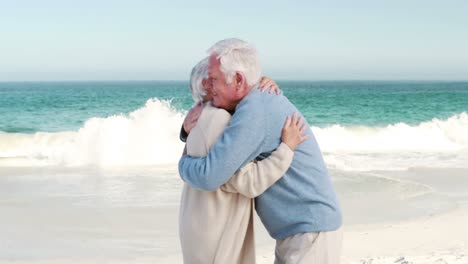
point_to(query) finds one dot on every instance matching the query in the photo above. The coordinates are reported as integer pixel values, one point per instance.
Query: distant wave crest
(150, 136)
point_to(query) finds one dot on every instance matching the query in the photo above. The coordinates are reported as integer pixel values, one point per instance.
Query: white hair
(236, 55)
(199, 72)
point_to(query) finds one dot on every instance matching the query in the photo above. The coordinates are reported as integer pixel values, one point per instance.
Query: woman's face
(206, 83)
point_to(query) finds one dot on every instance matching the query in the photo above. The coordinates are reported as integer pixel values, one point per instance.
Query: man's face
(224, 95)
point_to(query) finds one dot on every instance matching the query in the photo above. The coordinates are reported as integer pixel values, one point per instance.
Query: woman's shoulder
(212, 121)
(212, 111)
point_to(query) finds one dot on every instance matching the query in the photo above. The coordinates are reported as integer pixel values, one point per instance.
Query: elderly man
(217, 226)
(301, 210)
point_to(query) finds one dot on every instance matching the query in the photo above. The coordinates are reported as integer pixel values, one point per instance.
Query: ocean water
(360, 125)
(61, 106)
(88, 170)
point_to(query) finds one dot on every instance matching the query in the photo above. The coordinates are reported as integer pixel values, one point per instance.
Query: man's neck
(248, 91)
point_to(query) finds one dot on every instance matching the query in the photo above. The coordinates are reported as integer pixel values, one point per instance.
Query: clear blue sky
(162, 40)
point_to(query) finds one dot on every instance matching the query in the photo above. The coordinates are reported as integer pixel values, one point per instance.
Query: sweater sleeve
(240, 142)
(256, 177)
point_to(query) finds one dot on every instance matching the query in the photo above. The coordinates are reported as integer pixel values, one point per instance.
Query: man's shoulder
(251, 106)
(253, 96)
(269, 100)
(263, 102)
(257, 99)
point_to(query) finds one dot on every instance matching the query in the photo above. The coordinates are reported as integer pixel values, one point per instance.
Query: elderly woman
(217, 226)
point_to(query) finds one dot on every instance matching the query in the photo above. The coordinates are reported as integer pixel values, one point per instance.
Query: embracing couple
(247, 146)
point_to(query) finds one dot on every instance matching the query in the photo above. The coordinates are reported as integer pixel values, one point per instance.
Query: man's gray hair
(236, 55)
(199, 72)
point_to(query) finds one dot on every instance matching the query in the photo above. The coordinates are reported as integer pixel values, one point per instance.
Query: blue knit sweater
(303, 200)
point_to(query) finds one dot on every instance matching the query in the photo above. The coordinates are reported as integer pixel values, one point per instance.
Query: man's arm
(256, 177)
(241, 142)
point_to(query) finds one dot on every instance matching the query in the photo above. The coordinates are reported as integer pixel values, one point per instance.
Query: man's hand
(268, 84)
(192, 117)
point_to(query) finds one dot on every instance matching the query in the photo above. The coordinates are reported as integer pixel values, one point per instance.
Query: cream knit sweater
(217, 226)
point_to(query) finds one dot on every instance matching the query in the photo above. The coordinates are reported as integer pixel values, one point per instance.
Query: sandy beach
(435, 239)
(91, 215)
(428, 240)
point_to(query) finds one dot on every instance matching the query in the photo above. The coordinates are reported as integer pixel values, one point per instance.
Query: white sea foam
(436, 143)
(147, 136)
(435, 135)
(150, 136)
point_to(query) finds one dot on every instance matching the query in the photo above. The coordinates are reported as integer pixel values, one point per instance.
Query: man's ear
(239, 79)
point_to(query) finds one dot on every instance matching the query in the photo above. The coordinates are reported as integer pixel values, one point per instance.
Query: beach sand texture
(51, 215)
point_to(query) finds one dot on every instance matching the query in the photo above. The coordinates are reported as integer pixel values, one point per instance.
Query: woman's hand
(268, 84)
(293, 132)
(192, 117)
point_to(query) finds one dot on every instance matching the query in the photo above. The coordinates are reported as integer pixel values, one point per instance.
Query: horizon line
(280, 80)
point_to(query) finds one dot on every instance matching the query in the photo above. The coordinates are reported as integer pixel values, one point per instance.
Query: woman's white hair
(199, 72)
(236, 55)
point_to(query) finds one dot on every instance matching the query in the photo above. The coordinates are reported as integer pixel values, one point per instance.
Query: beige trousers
(310, 248)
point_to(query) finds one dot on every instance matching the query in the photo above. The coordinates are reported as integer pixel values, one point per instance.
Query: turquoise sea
(28, 107)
